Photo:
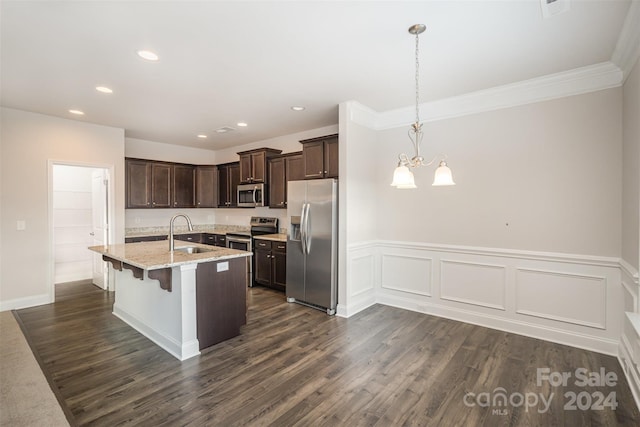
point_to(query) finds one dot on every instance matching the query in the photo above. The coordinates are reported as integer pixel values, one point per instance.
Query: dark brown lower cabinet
(221, 300)
(271, 264)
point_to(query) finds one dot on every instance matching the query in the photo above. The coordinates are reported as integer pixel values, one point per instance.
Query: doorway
(80, 218)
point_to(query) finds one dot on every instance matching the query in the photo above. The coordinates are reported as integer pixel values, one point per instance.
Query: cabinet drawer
(279, 246)
(263, 244)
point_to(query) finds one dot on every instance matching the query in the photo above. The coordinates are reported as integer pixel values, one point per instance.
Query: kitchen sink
(193, 249)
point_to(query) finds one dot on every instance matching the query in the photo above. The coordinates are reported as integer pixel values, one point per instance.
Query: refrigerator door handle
(303, 236)
(307, 232)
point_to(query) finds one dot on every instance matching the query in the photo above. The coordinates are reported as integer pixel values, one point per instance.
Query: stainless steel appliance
(312, 243)
(251, 195)
(243, 240)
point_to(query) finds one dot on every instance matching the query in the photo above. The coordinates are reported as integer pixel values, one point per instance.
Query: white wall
(287, 143)
(358, 210)
(630, 168)
(150, 150)
(72, 223)
(29, 142)
(542, 177)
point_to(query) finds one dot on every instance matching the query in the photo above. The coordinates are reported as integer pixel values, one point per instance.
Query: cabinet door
(277, 183)
(279, 266)
(138, 181)
(161, 185)
(234, 180)
(294, 168)
(331, 158)
(223, 187)
(263, 266)
(206, 187)
(313, 159)
(183, 186)
(259, 166)
(246, 169)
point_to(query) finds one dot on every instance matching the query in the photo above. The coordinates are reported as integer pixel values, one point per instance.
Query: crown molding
(627, 49)
(568, 83)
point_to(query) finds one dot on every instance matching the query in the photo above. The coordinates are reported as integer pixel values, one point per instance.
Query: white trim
(628, 270)
(567, 83)
(506, 253)
(25, 302)
(564, 319)
(627, 48)
(180, 352)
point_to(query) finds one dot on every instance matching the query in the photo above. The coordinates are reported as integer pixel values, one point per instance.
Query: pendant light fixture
(402, 176)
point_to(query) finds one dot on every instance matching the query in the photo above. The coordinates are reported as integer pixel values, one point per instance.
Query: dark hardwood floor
(293, 365)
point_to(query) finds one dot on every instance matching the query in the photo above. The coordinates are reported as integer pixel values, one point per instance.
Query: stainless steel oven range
(243, 240)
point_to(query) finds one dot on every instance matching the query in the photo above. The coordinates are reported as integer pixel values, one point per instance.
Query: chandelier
(402, 176)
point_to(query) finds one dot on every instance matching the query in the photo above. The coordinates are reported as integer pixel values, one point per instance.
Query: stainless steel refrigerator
(312, 243)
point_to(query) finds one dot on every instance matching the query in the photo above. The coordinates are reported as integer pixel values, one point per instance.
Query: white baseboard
(180, 352)
(356, 304)
(18, 303)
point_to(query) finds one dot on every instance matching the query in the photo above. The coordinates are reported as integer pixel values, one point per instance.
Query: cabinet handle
(325, 171)
(319, 171)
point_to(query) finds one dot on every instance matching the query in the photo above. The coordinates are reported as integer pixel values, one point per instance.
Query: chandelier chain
(417, 82)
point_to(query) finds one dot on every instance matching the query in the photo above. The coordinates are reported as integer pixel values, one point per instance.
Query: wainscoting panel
(629, 347)
(361, 274)
(407, 273)
(560, 296)
(571, 299)
(473, 283)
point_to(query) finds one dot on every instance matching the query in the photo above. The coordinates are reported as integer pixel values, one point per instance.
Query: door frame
(110, 212)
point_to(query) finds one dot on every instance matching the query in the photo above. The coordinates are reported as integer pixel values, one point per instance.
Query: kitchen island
(183, 300)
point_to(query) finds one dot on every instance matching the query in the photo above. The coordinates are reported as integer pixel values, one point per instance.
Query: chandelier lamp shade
(403, 176)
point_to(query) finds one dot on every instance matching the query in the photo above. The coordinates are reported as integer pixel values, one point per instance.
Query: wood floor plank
(292, 365)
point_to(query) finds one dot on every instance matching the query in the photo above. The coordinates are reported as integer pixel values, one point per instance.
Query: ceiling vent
(554, 7)
(225, 129)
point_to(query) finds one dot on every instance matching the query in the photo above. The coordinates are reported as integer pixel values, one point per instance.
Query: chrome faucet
(173, 218)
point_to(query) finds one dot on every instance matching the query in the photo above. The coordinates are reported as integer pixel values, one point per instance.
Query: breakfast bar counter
(184, 300)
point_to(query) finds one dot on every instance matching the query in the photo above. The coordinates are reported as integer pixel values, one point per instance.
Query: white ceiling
(227, 61)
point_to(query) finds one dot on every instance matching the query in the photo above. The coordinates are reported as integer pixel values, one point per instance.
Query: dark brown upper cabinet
(183, 190)
(228, 180)
(253, 165)
(138, 183)
(320, 157)
(282, 170)
(148, 184)
(206, 187)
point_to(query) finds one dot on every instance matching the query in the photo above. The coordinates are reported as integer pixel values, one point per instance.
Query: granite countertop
(156, 255)
(273, 237)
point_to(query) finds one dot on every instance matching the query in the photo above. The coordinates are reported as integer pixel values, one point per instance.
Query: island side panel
(221, 300)
(166, 318)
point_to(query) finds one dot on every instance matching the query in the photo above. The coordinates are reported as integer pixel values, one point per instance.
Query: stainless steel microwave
(251, 195)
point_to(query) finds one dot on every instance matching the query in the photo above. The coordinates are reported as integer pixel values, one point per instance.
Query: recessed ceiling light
(297, 108)
(202, 136)
(242, 124)
(77, 112)
(104, 89)
(224, 129)
(148, 55)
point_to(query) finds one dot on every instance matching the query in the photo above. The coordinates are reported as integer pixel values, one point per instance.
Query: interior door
(100, 224)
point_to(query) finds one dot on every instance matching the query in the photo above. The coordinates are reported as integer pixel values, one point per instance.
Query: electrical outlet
(222, 266)
(21, 225)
